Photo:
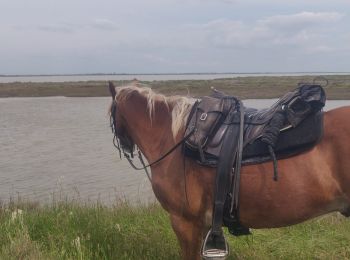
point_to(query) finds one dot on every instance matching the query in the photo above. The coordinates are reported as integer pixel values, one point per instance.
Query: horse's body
(310, 184)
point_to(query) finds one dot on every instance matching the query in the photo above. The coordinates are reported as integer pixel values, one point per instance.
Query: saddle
(292, 125)
(224, 134)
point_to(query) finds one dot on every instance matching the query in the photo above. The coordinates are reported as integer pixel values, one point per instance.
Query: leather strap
(228, 155)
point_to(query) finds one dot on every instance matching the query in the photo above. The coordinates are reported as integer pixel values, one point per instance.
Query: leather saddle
(299, 126)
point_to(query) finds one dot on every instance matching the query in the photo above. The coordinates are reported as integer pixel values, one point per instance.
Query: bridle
(126, 146)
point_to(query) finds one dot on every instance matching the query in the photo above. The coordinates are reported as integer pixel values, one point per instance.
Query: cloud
(104, 24)
(299, 21)
(319, 49)
(97, 24)
(226, 33)
(298, 30)
(58, 28)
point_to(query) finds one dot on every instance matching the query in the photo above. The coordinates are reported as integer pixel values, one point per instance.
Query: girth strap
(234, 209)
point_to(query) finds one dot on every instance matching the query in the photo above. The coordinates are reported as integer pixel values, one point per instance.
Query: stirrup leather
(215, 246)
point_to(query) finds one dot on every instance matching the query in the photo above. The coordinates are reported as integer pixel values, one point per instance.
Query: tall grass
(72, 231)
(85, 231)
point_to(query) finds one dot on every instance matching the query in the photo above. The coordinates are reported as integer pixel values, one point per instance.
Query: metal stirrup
(215, 246)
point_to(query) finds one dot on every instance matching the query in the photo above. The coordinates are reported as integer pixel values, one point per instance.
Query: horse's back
(337, 124)
(340, 112)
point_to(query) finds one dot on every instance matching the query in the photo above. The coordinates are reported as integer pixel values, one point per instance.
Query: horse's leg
(190, 236)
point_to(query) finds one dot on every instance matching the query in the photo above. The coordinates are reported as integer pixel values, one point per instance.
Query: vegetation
(71, 230)
(243, 87)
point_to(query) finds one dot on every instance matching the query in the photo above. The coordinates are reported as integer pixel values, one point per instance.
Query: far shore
(242, 87)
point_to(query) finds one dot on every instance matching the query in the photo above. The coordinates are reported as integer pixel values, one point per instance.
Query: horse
(310, 184)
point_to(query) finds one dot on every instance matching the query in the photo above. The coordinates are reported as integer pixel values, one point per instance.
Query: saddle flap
(217, 138)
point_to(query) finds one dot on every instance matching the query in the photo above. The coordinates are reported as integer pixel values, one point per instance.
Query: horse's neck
(151, 133)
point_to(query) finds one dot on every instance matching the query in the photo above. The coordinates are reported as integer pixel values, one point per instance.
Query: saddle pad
(291, 141)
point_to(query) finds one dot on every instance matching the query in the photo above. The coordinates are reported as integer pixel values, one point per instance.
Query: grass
(85, 231)
(242, 87)
(72, 231)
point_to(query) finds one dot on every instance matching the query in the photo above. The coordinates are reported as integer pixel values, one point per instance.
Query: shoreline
(243, 87)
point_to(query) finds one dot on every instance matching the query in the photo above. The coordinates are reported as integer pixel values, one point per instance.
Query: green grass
(72, 231)
(327, 237)
(81, 231)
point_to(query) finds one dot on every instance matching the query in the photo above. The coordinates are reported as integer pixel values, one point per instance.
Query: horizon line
(170, 73)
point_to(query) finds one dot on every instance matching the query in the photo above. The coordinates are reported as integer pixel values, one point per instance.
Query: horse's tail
(112, 89)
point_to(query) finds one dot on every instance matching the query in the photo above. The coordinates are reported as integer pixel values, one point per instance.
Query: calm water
(60, 146)
(148, 77)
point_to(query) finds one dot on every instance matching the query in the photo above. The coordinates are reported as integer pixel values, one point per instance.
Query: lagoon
(58, 147)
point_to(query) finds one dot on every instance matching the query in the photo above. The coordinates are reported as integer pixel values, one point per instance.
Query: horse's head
(122, 139)
(140, 115)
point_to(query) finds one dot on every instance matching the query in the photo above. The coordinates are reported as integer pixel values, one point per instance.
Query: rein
(130, 155)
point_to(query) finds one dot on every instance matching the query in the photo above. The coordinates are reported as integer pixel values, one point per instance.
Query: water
(150, 77)
(61, 146)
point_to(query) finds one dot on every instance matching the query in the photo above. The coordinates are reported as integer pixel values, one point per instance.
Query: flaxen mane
(180, 106)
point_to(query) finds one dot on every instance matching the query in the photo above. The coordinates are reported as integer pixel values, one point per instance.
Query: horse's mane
(181, 106)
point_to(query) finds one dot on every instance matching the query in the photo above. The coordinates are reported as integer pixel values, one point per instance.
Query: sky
(174, 36)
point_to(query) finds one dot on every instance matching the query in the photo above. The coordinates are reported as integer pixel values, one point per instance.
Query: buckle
(203, 116)
(215, 246)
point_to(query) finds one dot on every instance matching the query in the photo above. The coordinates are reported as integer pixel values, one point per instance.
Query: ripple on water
(56, 147)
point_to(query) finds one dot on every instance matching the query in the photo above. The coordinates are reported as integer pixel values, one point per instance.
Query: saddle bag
(208, 119)
(204, 122)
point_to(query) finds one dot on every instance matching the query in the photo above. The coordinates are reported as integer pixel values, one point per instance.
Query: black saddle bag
(209, 119)
(207, 116)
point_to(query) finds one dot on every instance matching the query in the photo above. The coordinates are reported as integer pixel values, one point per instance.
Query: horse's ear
(112, 89)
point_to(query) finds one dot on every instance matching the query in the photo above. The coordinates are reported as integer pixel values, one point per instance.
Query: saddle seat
(291, 141)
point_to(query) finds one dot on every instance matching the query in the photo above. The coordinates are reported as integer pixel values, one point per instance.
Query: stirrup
(215, 246)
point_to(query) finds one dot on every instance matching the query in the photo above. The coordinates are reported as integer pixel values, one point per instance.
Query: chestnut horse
(310, 184)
